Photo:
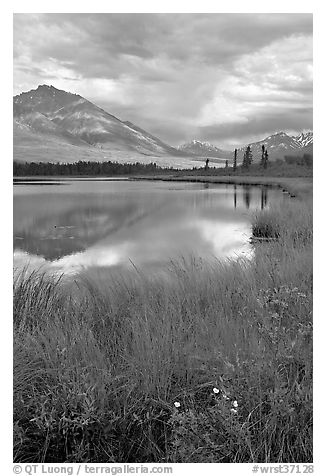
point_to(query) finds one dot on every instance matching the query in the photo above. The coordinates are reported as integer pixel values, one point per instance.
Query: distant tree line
(306, 160)
(108, 169)
(86, 168)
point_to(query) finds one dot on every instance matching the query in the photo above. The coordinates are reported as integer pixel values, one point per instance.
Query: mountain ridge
(281, 144)
(52, 124)
(206, 149)
(278, 145)
(50, 111)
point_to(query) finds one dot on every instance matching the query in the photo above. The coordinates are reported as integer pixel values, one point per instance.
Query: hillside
(281, 144)
(48, 122)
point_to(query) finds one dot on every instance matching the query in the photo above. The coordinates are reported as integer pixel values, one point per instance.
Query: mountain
(35, 122)
(305, 138)
(51, 120)
(204, 149)
(280, 144)
(52, 125)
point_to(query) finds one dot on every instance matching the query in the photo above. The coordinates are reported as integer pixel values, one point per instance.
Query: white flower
(216, 390)
(235, 404)
(177, 404)
(233, 410)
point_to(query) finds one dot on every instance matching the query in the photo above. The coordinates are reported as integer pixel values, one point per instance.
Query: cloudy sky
(224, 78)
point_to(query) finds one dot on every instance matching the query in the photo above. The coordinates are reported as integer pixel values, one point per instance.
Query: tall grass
(100, 366)
(290, 222)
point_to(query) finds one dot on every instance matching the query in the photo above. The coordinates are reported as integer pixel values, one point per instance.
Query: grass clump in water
(291, 222)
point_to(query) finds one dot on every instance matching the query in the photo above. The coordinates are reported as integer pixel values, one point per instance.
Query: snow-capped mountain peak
(305, 138)
(203, 149)
(280, 144)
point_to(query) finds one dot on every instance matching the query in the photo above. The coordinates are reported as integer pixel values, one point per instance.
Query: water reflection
(247, 194)
(84, 225)
(264, 198)
(235, 195)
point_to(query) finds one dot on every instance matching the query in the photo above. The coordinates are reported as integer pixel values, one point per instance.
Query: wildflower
(177, 404)
(235, 404)
(260, 302)
(216, 390)
(233, 410)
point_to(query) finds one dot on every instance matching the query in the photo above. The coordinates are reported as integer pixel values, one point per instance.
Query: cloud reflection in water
(103, 225)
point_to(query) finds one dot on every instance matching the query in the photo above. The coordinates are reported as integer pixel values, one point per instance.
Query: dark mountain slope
(50, 111)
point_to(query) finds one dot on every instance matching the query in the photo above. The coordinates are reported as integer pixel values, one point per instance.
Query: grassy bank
(213, 364)
(277, 168)
(300, 187)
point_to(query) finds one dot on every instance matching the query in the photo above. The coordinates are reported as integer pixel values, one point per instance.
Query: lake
(69, 225)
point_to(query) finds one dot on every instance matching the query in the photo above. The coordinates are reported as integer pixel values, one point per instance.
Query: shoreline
(295, 186)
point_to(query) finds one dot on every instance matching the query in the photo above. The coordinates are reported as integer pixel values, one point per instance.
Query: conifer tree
(235, 160)
(244, 162)
(266, 159)
(262, 155)
(247, 157)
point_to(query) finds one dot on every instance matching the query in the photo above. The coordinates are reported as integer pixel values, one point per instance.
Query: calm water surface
(70, 225)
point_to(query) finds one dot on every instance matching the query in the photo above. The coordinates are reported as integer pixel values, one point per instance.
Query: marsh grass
(98, 366)
(291, 222)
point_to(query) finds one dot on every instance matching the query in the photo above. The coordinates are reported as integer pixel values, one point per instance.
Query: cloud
(257, 127)
(174, 74)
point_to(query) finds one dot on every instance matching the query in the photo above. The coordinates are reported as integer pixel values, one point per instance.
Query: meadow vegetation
(208, 362)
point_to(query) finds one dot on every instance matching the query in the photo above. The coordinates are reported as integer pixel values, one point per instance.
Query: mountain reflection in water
(110, 223)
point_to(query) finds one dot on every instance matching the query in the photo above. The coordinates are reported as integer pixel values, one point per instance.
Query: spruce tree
(266, 159)
(235, 160)
(247, 157)
(262, 156)
(244, 162)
